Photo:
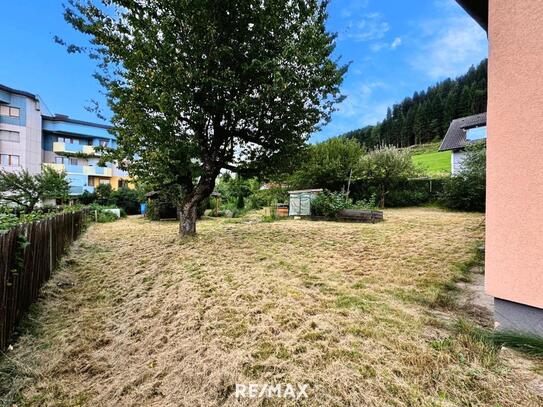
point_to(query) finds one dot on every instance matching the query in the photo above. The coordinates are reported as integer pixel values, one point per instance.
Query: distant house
(461, 132)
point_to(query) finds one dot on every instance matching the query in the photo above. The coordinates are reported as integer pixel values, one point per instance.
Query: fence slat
(23, 270)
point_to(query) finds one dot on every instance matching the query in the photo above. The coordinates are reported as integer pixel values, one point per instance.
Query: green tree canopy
(197, 86)
(327, 164)
(26, 190)
(386, 167)
(467, 190)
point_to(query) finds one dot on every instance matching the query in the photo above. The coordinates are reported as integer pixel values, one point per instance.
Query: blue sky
(396, 47)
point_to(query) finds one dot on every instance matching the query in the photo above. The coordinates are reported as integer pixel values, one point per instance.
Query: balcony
(82, 169)
(78, 190)
(63, 148)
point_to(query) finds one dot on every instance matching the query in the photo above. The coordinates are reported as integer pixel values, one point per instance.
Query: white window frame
(10, 160)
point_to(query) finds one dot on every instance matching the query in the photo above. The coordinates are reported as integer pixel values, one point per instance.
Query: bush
(329, 204)
(368, 204)
(467, 190)
(152, 210)
(126, 199)
(410, 192)
(106, 216)
(103, 194)
(266, 197)
(240, 204)
(86, 198)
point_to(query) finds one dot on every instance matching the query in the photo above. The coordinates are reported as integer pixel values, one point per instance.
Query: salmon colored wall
(514, 235)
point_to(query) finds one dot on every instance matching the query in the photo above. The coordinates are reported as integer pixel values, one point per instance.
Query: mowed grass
(140, 317)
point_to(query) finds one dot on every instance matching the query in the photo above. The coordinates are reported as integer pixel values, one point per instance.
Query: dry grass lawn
(362, 313)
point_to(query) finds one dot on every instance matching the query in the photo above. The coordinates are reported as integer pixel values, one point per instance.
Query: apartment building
(31, 137)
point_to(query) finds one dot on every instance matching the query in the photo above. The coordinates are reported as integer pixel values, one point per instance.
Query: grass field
(427, 158)
(364, 314)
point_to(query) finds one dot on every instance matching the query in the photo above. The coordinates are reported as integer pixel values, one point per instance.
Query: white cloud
(396, 43)
(448, 47)
(378, 46)
(353, 7)
(370, 27)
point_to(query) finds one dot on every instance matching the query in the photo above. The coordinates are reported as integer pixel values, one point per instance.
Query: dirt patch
(138, 316)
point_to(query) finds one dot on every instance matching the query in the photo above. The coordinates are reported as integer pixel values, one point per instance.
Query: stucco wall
(514, 233)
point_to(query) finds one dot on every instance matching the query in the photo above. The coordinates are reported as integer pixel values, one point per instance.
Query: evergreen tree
(426, 115)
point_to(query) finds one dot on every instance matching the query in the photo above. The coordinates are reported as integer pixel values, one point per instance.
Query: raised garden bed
(355, 215)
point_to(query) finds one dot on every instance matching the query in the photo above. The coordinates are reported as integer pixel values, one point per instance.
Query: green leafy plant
(327, 164)
(26, 190)
(467, 190)
(329, 204)
(126, 199)
(103, 194)
(386, 168)
(368, 204)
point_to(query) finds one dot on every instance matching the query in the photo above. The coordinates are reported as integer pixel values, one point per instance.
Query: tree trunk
(382, 194)
(189, 207)
(187, 220)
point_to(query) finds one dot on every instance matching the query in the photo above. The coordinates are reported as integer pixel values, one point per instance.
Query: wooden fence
(28, 255)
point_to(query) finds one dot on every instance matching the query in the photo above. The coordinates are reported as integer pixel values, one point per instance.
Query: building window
(476, 133)
(60, 160)
(104, 143)
(73, 161)
(9, 111)
(9, 160)
(104, 181)
(14, 112)
(13, 136)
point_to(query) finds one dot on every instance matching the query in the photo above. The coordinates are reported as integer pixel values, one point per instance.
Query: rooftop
(456, 135)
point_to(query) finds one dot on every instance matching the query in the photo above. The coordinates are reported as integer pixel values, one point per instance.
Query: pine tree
(426, 115)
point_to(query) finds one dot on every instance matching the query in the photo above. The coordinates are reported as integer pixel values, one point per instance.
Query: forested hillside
(426, 116)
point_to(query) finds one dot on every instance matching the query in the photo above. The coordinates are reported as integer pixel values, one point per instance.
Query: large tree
(197, 86)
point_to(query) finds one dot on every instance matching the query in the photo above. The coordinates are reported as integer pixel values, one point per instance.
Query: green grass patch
(433, 163)
(530, 344)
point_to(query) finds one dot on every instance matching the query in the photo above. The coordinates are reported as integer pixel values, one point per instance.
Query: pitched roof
(478, 9)
(456, 135)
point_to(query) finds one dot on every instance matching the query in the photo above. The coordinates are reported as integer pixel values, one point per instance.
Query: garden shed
(300, 201)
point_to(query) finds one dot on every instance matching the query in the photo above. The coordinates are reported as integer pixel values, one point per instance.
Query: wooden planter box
(355, 215)
(360, 215)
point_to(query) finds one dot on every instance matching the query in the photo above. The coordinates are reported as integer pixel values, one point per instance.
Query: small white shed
(300, 201)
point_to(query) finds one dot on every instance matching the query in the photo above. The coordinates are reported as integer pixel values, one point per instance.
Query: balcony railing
(82, 169)
(63, 148)
(78, 190)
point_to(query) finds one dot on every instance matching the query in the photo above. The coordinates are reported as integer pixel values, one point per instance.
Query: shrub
(126, 199)
(240, 203)
(266, 197)
(368, 204)
(103, 194)
(152, 210)
(86, 198)
(329, 204)
(467, 190)
(106, 216)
